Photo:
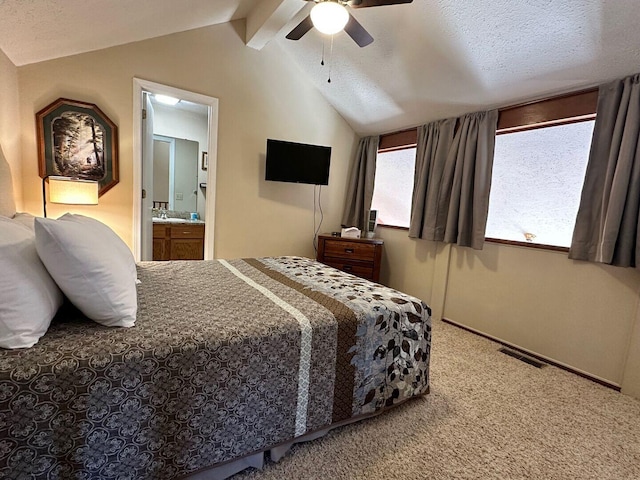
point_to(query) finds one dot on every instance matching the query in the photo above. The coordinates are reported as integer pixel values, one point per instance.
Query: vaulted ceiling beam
(267, 18)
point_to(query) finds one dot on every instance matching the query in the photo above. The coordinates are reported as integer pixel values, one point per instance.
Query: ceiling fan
(332, 16)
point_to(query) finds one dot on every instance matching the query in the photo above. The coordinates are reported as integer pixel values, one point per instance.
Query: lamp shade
(73, 191)
(329, 17)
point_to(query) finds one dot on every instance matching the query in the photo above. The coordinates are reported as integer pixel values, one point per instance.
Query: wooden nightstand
(359, 256)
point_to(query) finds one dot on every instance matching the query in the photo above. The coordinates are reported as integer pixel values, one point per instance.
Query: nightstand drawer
(364, 271)
(358, 256)
(349, 250)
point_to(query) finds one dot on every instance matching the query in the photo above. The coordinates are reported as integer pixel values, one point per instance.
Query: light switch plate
(178, 196)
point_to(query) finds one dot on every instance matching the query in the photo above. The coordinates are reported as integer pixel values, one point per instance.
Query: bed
(227, 360)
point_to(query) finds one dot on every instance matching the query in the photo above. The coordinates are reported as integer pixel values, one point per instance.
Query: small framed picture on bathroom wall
(205, 160)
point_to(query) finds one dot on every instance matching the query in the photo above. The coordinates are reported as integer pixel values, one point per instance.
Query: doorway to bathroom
(175, 144)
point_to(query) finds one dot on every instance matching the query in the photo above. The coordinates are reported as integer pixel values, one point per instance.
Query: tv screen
(297, 162)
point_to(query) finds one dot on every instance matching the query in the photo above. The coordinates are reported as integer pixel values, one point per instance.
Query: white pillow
(29, 298)
(25, 219)
(109, 235)
(92, 265)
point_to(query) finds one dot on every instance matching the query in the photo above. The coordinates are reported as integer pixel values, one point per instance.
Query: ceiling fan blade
(357, 32)
(375, 3)
(303, 27)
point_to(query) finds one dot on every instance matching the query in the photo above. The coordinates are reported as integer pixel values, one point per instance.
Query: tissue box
(351, 232)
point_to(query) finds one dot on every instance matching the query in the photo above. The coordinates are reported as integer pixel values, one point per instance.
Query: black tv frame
(297, 162)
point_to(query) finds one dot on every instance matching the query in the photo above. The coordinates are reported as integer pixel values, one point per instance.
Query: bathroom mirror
(175, 173)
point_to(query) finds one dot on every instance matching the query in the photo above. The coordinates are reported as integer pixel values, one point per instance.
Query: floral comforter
(227, 358)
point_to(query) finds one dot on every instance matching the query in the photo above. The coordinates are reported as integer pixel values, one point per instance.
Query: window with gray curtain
(536, 182)
(607, 226)
(453, 179)
(361, 181)
(393, 187)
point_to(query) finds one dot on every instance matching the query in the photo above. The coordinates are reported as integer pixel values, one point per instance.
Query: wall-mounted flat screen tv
(297, 162)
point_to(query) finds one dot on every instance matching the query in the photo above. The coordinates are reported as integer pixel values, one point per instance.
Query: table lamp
(69, 191)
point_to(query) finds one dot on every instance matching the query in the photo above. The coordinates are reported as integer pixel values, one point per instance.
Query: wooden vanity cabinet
(182, 241)
(161, 241)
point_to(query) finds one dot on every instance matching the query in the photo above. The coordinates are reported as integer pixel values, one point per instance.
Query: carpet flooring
(488, 416)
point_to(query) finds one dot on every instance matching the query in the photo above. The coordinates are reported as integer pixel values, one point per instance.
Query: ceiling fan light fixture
(329, 17)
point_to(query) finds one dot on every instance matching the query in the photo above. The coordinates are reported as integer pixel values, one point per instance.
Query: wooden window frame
(560, 110)
(398, 140)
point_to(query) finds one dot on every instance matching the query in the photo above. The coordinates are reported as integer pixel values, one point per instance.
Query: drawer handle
(348, 250)
(347, 267)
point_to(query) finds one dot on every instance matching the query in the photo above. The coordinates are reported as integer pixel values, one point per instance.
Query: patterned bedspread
(227, 358)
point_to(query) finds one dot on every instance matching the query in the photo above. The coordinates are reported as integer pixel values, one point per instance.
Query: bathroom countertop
(177, 221)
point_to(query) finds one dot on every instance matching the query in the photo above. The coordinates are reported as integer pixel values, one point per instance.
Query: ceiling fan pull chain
(322, 61)
(330, 59)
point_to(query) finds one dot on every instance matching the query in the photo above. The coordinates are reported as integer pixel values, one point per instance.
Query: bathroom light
(69, 191)
(329, 17)
(167, 100)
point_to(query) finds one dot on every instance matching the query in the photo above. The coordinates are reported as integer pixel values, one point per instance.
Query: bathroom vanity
(178, 239)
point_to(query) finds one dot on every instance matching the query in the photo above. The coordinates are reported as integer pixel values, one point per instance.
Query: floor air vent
(522, 358)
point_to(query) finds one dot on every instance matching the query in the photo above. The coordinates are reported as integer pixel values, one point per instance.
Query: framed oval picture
(76, 139)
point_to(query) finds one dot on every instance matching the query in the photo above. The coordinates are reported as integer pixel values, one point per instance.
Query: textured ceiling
(430, 59)
(437, 58)
(36, 30)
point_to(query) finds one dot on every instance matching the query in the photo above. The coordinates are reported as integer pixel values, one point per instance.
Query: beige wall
(261, 96)
(415, 266)
(579, 314)
(631, 376)
(10, 123)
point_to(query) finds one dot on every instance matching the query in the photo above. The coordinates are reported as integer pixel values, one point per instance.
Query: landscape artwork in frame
(76, 139)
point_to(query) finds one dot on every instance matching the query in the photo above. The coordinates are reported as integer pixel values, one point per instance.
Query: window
(536, 183)
(394, 186)
(541, 155)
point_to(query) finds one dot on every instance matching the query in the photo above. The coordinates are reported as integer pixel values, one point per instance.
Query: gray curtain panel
(361, 180)
(453, 182)
(607, 226)
(434, 143)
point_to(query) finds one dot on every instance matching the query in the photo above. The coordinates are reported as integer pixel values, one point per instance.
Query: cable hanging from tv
(316, 230)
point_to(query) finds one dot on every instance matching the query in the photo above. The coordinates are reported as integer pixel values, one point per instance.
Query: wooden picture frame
(205, 160)
(76, 139)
